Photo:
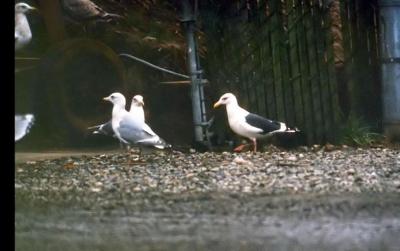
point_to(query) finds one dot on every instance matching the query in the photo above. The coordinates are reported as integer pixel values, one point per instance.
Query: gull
(136, 111)
(250, 125)
(86, 10)
(130, 130)
(23, 124)
(23, 34)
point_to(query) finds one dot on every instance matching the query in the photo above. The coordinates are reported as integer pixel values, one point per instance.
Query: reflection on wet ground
(216, 223)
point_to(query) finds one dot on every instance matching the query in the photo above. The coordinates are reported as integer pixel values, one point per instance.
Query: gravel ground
(319, 170)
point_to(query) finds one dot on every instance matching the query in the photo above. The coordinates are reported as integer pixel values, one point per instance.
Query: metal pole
(390, 53)
(197, 92)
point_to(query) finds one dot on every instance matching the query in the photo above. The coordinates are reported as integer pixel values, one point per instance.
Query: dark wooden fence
(308, 63)
(359, 76)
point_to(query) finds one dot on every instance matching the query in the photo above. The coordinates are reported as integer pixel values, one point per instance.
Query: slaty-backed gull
(250, 125)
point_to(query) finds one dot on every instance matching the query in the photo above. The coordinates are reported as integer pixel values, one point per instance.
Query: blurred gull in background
(85, 11)
(23, 34)
(23, 124)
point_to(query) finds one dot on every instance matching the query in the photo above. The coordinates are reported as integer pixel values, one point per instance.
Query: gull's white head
(23, 8)
(116, 98)
(137, 100)
(226, 99)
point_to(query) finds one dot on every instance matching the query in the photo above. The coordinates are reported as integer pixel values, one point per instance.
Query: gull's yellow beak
(216, 104)
(107, 98)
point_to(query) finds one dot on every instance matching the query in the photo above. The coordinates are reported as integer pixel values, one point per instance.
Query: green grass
(357, 133)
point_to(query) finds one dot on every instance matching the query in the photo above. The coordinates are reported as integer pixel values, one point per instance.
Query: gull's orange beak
(216, 104)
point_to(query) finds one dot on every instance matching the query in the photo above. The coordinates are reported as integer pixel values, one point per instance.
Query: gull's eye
(112, 96)
(224, 98)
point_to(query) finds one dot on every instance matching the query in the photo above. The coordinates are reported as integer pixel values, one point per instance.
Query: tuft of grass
(357, 133)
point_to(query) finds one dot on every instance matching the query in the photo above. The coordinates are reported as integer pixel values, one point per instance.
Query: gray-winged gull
(136, 110)
(250, 125)
(23, 124)
(23, 34)
(86, 10)
(130, 130)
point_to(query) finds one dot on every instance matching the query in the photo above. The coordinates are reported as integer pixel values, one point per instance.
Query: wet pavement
(350, 222)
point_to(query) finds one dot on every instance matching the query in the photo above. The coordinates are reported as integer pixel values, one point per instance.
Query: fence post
(197, 90)
(390, 51)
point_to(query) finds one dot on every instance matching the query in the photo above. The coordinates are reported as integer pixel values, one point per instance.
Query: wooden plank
(314, 77)
(260, 90)
(269, 77)
(271, 88)
(286, 66)
(333, 90)
(245, 67)
(276, 56)
(261, 60)
(259, 57)
(295, 62)
(305, 76)
(323, 64)
(321, 87)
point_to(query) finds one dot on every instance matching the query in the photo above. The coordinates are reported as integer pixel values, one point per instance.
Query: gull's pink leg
(239, 148)
(255, 145)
